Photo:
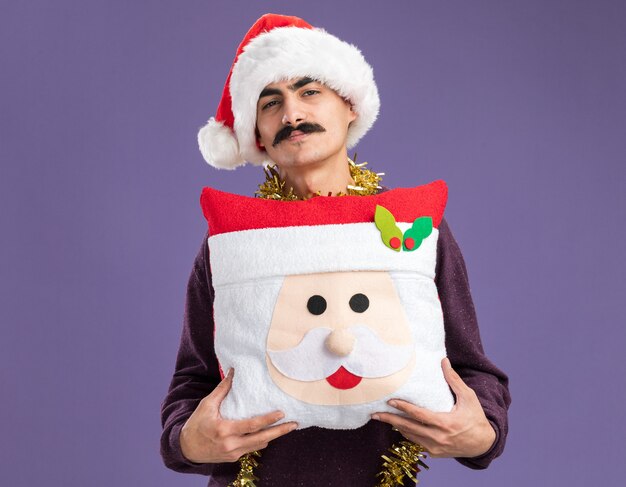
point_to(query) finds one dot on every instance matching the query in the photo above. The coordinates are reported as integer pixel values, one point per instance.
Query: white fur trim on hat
(291, 52)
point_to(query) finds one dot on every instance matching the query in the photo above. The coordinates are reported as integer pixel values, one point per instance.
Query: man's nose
(293, 113)
(340, 342)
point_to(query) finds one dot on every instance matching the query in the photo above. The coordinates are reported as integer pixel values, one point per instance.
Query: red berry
(395, 243)
(409, 243)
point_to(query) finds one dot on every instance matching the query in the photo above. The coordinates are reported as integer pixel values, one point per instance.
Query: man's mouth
(342, 379)
(296, 133)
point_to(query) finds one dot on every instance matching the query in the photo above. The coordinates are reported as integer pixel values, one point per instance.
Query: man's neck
(324, 178)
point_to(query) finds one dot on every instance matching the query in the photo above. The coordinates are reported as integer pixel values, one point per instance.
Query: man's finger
(213, 400)
(257, 423)
(404, 425)
(257, 440)
(422, 415)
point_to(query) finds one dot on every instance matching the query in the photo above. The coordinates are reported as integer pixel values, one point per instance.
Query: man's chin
(293, 156)
(300, 153)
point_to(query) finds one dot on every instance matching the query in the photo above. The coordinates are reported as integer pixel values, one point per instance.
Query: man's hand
(463, 432)
(206, 437)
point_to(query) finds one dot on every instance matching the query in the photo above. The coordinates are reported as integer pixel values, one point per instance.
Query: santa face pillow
(327, 308)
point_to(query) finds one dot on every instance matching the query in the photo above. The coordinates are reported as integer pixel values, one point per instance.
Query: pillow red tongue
(342, 379)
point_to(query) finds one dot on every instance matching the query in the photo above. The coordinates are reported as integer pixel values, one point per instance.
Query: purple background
(520, 106)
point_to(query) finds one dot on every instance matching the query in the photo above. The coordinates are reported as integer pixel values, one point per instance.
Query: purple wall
(520, 106)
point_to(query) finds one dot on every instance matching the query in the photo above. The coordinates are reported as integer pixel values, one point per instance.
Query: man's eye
(310, 92)
(269, 104)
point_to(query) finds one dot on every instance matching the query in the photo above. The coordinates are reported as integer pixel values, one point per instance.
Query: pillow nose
(340, 342)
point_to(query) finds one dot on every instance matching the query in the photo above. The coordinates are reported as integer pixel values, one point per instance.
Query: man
(299, 98)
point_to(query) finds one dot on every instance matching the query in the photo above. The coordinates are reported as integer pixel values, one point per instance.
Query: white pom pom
(219, 146)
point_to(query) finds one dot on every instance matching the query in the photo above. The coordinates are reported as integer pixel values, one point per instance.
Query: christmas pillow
(327, 308)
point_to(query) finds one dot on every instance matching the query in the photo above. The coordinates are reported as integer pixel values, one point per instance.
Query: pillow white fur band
(273, 252)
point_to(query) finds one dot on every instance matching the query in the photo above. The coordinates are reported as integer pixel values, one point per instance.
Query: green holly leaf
(389, 231)
(422, 227)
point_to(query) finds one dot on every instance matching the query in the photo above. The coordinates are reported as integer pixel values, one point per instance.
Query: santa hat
(276, 48)
(253, 238)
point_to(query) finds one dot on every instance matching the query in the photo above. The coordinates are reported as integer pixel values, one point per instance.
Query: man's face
(323, 116)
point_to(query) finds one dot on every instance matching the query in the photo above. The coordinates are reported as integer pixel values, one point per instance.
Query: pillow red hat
(322, 234)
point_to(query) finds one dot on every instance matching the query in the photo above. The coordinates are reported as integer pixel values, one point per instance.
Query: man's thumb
(452, 378)
(220, 392)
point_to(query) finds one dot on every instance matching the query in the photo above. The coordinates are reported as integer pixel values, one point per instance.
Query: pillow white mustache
(311, 360)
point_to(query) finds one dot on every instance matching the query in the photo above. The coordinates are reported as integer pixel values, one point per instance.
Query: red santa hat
(277, 48)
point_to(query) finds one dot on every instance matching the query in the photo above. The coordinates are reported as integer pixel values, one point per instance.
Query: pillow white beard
(243, 313)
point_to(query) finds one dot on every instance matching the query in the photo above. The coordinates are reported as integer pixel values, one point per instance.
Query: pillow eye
(359, 303)
(316, 305)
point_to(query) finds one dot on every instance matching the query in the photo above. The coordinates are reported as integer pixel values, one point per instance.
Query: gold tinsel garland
(405, 458)
(247, 464)
(365, 183)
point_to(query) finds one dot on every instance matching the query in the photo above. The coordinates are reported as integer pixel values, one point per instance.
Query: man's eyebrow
(296, 86)
(300, 83)
(270, 92)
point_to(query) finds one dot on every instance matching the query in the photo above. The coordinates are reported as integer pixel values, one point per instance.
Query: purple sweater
(317, 456)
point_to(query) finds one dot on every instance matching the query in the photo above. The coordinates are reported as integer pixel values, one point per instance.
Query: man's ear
(353, 114)
(258, 138)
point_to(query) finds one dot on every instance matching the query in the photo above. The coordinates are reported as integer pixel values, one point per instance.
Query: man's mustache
(304, 127)
(310, 360)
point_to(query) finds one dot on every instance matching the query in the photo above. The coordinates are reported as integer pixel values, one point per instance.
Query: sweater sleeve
(196, 372)
(464, 347)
